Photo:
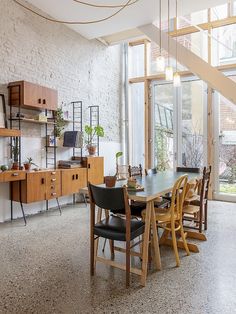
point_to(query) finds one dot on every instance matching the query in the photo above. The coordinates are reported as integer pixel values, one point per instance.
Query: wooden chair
(113, 227)
(135, 171)
(170, 219)
(196, 209)
(188, 169)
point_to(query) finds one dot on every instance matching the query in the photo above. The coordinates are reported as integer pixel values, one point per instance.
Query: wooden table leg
(146, 244)
(155, 237)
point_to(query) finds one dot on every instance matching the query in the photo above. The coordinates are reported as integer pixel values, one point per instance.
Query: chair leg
(92, 255)
(127, 264)
(200, 218)
(205, 216)
(184, 239)
(174, 241)
(111, 242)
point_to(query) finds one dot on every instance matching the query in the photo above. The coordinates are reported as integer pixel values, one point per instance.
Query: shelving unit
(31, 121)
(77, 123)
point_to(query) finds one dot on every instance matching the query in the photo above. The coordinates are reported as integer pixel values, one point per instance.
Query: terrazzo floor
(44, 268)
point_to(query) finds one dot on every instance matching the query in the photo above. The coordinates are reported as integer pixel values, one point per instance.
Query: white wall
(52, 55)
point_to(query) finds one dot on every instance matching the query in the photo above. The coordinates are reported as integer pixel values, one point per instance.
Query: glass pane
(192, 124)
(227, 146)
(136, 124)
(234, 8)
(197, 43)
(163, 126)
(224, 45)
(136, 61)
(192, 19)
(219, 12)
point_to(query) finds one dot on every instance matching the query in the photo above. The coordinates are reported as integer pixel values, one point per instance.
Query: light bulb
(176, 80)
(169, 73)
(160, 62)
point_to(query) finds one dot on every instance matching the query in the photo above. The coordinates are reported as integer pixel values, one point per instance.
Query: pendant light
(176, 80)
(169, 69)
(160, 62)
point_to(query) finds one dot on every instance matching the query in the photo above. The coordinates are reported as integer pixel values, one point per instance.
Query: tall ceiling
(140, 13)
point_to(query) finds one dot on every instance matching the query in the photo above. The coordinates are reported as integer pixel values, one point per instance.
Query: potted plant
(110, 181)
(15, 150)
(91, 133)
(59, 124)
(28, 163)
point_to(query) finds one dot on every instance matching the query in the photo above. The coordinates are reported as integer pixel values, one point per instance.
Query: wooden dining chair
(170, 219)
(135, 171)
(113, 227)
(188, 169)
(195, 209)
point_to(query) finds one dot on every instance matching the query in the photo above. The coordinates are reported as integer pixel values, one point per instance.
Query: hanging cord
(176, 25)
(108, 6)
(160, 24)
(168, 31)
(73, 22)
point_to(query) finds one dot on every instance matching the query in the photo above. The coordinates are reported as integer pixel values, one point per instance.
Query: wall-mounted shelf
(31, 121)
(9, 132)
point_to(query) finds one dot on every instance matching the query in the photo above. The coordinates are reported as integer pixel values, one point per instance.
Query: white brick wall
(53, 55)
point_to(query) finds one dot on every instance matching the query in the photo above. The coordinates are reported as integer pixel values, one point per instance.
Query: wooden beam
(195, 64)
(9, 132)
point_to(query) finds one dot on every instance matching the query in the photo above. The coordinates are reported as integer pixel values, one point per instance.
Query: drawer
(14, 176)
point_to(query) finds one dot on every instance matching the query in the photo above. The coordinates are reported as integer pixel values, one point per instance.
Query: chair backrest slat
(178, 196)
(135, 171)
(188, 169)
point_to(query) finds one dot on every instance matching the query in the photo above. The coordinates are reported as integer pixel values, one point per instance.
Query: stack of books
(67, 164)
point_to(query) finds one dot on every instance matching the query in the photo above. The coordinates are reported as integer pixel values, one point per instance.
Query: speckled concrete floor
(44, 268)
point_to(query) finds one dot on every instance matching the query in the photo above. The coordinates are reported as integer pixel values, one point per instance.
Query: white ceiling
(143, 12)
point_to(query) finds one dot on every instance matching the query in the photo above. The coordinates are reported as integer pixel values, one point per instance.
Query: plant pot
(27, 166)
(15, 165)
(91, 149)
(110, 181)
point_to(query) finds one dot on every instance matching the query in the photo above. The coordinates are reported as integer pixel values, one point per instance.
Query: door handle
(15, 174)
(44, 101)
(53, 180)
(73, 177)
(39, 100)
(77, 176)
(42, 181)
(88, 166)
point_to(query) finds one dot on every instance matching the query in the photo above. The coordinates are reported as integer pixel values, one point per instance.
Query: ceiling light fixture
(176, 79)
(122, 7)
(160, 62)
(169, 69)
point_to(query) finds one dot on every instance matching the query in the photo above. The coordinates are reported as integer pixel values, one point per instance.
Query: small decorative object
(15, 153)
(29, 163)
(91, 133)
(118, 155)
(4, 167)
(51, 140)
(42, 117)
(110, 181)
(132, 182)
(3, 119)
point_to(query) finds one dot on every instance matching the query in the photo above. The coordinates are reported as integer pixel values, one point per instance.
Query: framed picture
(3, 117)
(51, 140)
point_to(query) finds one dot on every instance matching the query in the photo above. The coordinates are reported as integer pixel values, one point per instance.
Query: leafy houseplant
(28, 163)
(59, 123)
(110, 181)
(91, 133)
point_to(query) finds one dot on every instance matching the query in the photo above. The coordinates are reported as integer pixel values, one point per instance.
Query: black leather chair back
(188, 169)
(108, 198)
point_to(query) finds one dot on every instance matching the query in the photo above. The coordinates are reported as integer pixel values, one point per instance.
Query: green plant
(118, 155)
(30, 162)
(15, 150)
(59, 123)
(92, 132)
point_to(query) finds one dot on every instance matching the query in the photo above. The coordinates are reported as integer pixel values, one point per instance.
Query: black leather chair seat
(114, 228)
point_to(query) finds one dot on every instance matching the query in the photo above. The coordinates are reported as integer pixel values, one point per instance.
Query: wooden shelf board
(32, 121)
(9, 132)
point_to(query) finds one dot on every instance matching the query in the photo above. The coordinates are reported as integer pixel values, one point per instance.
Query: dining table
(154, 186)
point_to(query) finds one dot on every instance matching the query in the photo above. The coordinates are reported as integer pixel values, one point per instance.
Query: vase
(27, 166)
(15, 165)
(110, 181)
(91, 149)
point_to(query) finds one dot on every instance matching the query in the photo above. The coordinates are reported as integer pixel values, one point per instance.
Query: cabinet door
(36, 186)
(53, 184)
(50, 98)
(73, 180)
(32, 95)
(95, 167)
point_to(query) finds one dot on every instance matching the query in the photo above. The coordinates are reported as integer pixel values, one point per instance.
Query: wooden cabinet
(12, 175)
(32, 96)
(73, 180)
